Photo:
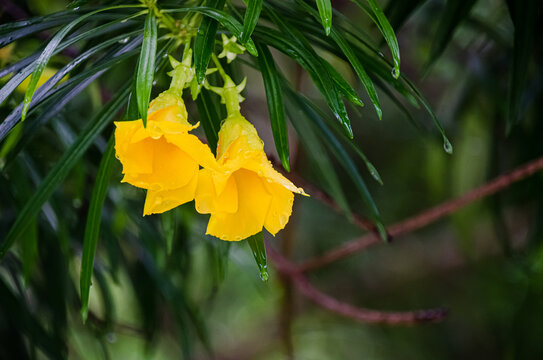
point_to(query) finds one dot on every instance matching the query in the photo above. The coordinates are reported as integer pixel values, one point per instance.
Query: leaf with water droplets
(146, 66)
(274, 98)
(379, 18)
(258, 248)
(251, 18)
(49, 51)
(325, 12)
(62, 168)
(92, 228)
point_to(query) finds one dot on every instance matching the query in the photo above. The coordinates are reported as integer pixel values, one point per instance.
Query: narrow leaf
(274, 97)
(168, 228)
(146, 66)
(204, 43)
(62, 168)
(454, 13)
(296, 46)
(343, 86)
(209, 117)
(317, 154)
(49, 51)
(254, 7)
(226, 20)
(388, 34)
(325, 12)
(343, 159)
(256, 242)
(354, 60)
(92, 228)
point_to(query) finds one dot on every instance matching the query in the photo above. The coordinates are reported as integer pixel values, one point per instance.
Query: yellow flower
(247, 194)
(162, 157)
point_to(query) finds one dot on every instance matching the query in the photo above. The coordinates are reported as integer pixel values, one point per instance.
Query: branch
(288, 269)
(426, 217)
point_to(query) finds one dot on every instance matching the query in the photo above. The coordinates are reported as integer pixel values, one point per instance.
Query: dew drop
(76, 8)
(447, 146)
(124, 40)
(264, 273)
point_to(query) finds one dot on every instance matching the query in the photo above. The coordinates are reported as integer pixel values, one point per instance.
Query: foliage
(67, 223)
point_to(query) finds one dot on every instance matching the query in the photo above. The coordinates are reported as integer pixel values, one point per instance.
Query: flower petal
(253, 205)
(172, 168)
(206, 198)
(280, 207)
(163, 200)
(190, 144)
(135, 157)
(262, 166)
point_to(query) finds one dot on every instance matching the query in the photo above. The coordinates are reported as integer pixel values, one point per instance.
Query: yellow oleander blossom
(247, 194)
(162, 157)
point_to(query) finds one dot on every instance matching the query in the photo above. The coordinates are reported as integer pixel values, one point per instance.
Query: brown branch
(426, 217)
(286, 268)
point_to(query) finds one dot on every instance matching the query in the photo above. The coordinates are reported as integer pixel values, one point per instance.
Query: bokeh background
(205, 299)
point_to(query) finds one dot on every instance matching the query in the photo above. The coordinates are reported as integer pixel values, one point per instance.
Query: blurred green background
(206, 300)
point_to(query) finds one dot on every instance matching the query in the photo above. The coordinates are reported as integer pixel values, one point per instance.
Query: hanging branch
(426, 217)
(370, 316)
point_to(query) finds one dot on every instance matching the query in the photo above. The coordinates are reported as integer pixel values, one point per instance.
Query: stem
(224, 76)
(230, 93)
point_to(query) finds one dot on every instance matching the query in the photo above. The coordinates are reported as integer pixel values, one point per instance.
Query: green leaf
(274, 97)
(146, 66)
(209, 117)
(379, 18)
(81, 80)
(353, 59)
(230, 23)
(62, 168)
(258, 248)
(19, 77)
(204, 43)
(168, 228)
(316, 112)
(454, 13)
(251, 18)
(132, 112)
(344, 160)
(325, 12)
(92, 228)
(343, 86)
(299, 49)
(524, 17)
(316, 153)
(49, 51)
(388, 34)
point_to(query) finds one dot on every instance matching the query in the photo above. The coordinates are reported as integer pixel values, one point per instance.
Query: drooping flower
(247, 194)
(162, 157)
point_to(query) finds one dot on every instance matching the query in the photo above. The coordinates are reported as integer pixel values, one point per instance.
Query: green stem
(225, 77)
